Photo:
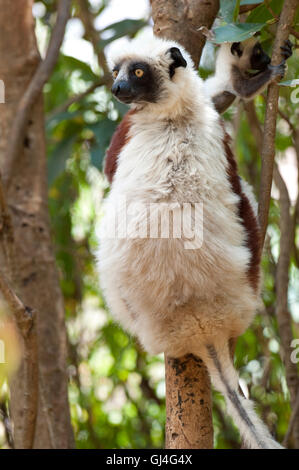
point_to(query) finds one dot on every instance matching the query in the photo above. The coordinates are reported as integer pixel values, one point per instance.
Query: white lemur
(232, 76)
(180, 294)
(232, 79)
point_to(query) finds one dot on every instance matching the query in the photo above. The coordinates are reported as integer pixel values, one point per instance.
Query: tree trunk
(181, 19)
(188, 389)
(188, 404)
(33, 270)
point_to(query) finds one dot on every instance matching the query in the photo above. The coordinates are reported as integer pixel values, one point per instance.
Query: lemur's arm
(118, 141)
(247, 87)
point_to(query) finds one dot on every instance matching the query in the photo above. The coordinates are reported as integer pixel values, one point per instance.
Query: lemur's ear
(236, 49)
(178, 60)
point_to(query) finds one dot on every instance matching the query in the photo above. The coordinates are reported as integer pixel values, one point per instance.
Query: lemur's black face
(259, 59)
(139, 81)
(135, 81)
(256, 56)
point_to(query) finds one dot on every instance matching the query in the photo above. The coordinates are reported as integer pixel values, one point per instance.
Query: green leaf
(236, 32)
(58, 158)
(282, 142)
(56, 119)
(103, 132)
(227, 8)
(236, 11)
(117, 30)
(261, 14)
(121, 107)
(250, 2)
(73, 64)
(292, 83)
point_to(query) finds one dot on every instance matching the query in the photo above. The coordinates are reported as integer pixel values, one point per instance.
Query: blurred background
(117, 392)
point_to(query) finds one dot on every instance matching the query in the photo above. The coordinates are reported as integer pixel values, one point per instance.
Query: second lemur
(193, 288)
(233, 77)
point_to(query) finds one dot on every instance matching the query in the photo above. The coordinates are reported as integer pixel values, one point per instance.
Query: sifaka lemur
(232, 79)
(182, 292)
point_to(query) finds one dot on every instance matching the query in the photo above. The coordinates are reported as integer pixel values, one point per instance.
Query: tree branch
(282, 281)
(105, 80)
(287, 232)
(34, 89)
(25, 319)
(268, 147)
(92, 34)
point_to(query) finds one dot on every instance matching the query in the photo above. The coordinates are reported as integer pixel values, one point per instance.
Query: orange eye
(139, 73)
(114, 73)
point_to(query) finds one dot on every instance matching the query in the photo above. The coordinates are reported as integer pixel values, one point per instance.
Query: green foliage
(120, 29)
(235, 32)
(116, 391)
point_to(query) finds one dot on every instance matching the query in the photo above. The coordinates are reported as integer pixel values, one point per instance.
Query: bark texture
(181, 19)
(188, 389)
(188, 404)
(33, 271)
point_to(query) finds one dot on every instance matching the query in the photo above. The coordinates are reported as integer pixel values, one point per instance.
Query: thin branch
(105, 80)
(34, 89)
(91, 33)
(282, 269)
(247, 8)
(268, 148)
(293, 419)
(282, 281)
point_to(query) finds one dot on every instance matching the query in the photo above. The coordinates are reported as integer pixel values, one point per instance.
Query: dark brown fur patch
(246, 214)
(119, 139)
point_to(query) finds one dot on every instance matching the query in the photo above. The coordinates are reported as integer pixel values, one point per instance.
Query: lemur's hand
(278, 71)
(286, 49)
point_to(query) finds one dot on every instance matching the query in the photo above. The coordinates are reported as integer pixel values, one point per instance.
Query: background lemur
(232, 79)
(232, 76)
(173, 151)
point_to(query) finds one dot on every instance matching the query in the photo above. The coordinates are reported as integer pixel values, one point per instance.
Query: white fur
(222, 80)
(177, 300)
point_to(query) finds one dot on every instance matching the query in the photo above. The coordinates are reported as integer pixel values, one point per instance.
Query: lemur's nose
(121, 88)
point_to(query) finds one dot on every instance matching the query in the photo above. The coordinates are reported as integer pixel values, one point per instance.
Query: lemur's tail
(225, 379)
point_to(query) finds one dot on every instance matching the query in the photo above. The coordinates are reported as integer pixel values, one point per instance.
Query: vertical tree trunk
(33, 274)
(188, 404)
(188, 388)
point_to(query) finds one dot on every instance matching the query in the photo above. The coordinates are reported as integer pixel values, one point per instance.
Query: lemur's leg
(222, 101)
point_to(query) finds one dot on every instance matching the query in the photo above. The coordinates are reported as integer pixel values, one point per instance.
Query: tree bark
(181, 19)
(188, 404)
(33, 269)
(188, 389)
